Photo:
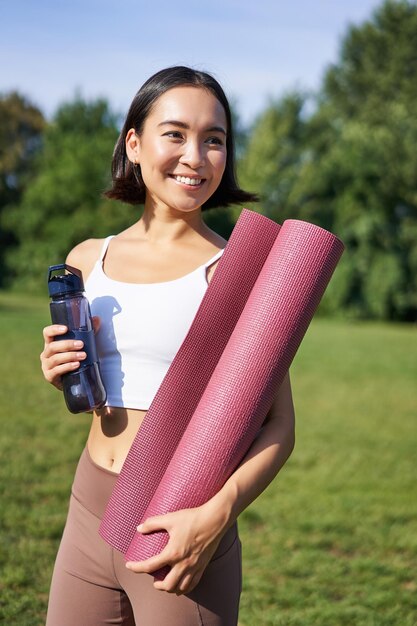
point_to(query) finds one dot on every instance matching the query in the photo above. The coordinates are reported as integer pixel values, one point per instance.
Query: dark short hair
(128, 185)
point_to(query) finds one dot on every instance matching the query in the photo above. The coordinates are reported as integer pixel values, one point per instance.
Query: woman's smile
(187, 181)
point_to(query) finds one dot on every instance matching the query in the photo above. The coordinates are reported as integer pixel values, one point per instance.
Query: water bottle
(83, 388)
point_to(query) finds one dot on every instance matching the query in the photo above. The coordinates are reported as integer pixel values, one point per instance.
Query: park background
(325, 108)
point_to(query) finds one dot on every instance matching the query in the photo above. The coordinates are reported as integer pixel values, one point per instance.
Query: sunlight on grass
(333, 540)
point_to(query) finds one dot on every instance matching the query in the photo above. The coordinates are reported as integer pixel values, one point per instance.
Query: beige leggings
(91, 585)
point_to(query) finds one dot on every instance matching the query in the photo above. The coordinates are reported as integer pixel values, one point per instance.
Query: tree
(274, 155)
(352, 165)
(63, 204)
(21, 126)
(364, 167)
(378, 64)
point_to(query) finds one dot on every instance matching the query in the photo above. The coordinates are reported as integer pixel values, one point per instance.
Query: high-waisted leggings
(91, 585)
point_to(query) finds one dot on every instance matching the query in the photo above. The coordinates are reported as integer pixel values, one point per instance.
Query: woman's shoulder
(84, 255)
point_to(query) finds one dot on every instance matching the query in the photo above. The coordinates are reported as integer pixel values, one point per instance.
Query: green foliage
(21, 126)
(331, 542)
(274, 154)
(378, 63)
(351, 166)
(63, 204)
(343, 158)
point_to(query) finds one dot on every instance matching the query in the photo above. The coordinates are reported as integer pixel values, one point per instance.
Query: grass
(333, 540)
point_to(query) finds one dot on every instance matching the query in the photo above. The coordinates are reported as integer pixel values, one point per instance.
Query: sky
(258, 49)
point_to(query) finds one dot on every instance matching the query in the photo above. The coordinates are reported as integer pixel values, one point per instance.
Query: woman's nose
(193, 154)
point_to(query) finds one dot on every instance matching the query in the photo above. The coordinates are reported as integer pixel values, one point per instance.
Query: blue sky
(257, 49)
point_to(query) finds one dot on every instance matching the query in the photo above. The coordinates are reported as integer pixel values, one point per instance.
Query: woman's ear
(132, 146)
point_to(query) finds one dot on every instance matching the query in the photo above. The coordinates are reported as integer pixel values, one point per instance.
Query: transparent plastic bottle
(83, 389)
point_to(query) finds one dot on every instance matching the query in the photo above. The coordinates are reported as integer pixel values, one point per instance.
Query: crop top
(142, 326)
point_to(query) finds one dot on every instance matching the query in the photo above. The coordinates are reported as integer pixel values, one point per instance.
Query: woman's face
(182, 148)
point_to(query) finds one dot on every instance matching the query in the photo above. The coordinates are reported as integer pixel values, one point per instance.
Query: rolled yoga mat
(182, 387)
(240, 391)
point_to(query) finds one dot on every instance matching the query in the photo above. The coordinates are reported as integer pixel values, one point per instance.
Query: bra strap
(104, 248)
(213, 258)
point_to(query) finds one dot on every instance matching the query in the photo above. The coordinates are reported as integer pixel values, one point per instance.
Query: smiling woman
(175, 156)
(128, 184)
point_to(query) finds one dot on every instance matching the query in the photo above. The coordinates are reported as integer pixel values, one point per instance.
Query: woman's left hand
(194, 535)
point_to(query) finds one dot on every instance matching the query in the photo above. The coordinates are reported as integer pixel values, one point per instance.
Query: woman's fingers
(152, 564)
(60, 347)
(61, 356)
(187, 553)
(64, 358)
(185, 584)
(49, 332)
(179, 580)
(182, 577)
(53, 374)
(189, 582)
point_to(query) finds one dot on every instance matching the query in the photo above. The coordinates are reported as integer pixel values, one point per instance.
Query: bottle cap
(66, 283)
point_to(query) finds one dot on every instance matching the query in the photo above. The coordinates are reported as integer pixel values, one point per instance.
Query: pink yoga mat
(251, 368)
(187, 377)
(199, 432)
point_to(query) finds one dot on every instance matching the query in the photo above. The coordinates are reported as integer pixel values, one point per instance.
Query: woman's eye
(216, 140)
(174, 134)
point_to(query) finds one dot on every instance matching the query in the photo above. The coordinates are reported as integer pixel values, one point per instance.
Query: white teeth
(188, 181)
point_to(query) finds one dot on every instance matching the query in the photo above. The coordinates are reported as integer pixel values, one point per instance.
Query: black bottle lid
(65, 283)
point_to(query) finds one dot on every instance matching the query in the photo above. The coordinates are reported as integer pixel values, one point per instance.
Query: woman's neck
(167, 225)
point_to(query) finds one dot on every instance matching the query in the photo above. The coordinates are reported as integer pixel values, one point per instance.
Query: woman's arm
(195, 533)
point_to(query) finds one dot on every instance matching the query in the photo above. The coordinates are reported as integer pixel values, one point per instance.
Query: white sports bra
(142, 328)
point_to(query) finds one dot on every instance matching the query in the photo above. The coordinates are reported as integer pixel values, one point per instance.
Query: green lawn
(333, 541)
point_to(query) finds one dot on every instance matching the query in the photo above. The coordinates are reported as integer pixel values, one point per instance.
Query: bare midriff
(112, 432)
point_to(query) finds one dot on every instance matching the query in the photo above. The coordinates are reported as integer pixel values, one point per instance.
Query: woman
(174, 155)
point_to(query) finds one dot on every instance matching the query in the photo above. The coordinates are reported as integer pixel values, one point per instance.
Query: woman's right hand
(59, 357)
